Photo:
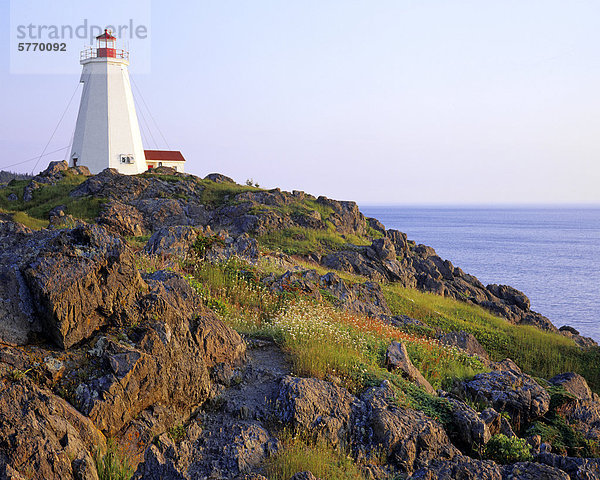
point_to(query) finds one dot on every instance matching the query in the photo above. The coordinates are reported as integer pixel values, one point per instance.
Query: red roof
(164, 156)
(106, 36)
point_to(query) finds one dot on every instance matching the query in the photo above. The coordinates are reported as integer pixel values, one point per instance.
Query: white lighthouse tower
(107, 133)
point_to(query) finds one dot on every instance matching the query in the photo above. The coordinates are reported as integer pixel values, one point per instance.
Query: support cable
(150, 113)
(146, 123)
(55, 128)
(34, 158)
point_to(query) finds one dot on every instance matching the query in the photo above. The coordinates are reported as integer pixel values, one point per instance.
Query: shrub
(203, 244)
(503, 449)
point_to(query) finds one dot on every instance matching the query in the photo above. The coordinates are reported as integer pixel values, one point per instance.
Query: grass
(28, 221)
(299, 455)
(215, 194)
(297, 208)
(321, 339)
(303, 241)
(233, 289)
(114, 464)
(34, 213)
(324, 341)
(138, 242)
(538, 353)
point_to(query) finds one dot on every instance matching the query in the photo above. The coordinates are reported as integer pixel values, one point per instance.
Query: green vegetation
(538, 353)
(177, 433)
(28, 221)
(17, 375)
(565, 440)
(215, 194)
(299, 455)
(34, 213)
(301, 207)
(205, 243)
(303, 241)
(163, 177)
(114, 464)
(372, 233)
(233, 289)
(503, 449)
(321, 339)
(138, 242)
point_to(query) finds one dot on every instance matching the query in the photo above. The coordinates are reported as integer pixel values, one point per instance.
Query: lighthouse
(107, 133)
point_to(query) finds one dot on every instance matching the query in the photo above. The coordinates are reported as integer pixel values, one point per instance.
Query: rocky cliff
(151, 331)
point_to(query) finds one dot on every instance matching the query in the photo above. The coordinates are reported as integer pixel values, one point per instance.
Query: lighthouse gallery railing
(93, 52)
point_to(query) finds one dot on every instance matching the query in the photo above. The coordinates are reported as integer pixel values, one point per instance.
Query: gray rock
(19, 323)
(459, 468)
(584, 416)
(395, 259)
(225, 450)
(85, 259)
(532, 471)
(507, 389)
(573, 383)
(44, 274)
(470, 429)
(576, 468)
(172, 241)
(384, 249)
(409, 439)
(376, 225)
(122, 219)
(496, 423)
(365, 298)
(175, 340)
(465, 341)
(42, 436)
(396, 358)
(304, 476)
(583, 342)
(242, 247)
(568, 328)
(318, 407)
(218, 178)
(372, 425)
(510, 295)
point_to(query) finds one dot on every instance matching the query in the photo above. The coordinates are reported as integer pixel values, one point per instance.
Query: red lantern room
(106, 45)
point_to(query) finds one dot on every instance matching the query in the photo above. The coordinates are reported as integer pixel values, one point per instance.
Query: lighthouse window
(127, 159)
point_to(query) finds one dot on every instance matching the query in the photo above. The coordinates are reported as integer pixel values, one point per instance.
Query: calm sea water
(551, 254)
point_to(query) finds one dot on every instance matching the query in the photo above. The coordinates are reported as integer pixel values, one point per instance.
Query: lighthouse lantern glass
(106, 45)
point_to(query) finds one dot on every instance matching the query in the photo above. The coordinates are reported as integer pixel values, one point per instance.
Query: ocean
(550, 254)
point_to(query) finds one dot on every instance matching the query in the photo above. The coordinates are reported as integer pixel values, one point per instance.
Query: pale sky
(405, 102)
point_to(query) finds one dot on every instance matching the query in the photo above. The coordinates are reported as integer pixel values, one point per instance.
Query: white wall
(179, 166)
(107, 125)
